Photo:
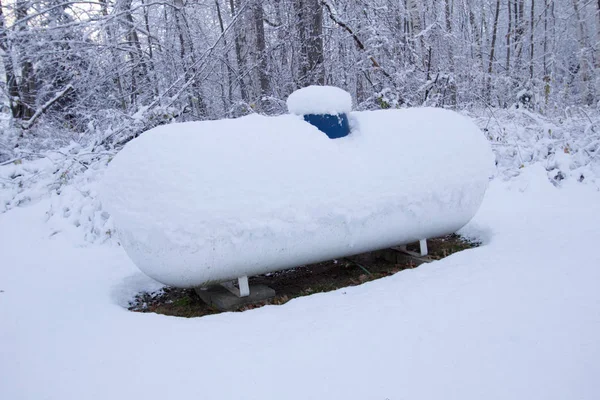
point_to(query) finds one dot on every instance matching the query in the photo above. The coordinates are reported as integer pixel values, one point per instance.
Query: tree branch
(335, 18)
(29, 123)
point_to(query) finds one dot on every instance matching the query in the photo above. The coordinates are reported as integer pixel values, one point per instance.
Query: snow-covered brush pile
(567, 145)
(69, 176)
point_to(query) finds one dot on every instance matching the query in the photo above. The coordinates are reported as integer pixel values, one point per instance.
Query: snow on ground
(517, 318)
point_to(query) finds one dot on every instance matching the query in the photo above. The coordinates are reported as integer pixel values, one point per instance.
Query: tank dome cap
(320, 100)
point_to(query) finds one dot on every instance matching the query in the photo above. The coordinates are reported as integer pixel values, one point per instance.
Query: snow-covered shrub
(566, 145)
(68, 177)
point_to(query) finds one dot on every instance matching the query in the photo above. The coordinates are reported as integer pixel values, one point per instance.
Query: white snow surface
(211, 201)
(319, 100)
(517, 318)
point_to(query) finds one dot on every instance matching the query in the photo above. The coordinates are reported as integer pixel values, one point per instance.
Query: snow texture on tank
(319, 100)
(202, 202)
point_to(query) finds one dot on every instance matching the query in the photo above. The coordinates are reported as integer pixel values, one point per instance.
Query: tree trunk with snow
(309, 17)
(493, 49)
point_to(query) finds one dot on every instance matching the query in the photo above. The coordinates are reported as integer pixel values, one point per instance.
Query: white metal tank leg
(423, 246)
(243, 289)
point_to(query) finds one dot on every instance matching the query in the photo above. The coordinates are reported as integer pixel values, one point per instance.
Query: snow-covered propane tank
(203, 202)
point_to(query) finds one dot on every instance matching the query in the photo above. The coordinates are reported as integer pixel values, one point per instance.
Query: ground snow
(319, 100)
(517, 318)
(215, 200)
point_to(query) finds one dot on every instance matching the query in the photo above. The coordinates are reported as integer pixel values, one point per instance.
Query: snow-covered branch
(29, 123)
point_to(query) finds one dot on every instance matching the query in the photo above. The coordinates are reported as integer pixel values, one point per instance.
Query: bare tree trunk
(531, 40)
(519, 32)
(284, 59)
(302, 57)
(196, 100)
(151, 66)
(229, 71)
(315, 49)
(414, 12)
(11, 79)
(476, 32)
(515, 11)
(493, 49)
(597, 60)
(261, 48)
(12, 85)
(111, 40)
(508, 37)
(310, 29)
(428, 74)
(448, 15)
(241, 60)
(585, 89)
(546, 74)
(27, 83)
(28, 89)
(135, 50)
(545, 58)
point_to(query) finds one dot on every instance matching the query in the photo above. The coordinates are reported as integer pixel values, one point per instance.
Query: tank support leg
(243, 289)
(423, 246)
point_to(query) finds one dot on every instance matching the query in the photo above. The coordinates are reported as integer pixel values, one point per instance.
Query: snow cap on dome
(319, 100)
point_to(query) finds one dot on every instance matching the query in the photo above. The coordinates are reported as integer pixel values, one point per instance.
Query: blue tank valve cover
(335, 126)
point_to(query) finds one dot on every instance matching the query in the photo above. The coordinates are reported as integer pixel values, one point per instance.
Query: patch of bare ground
(303, 281)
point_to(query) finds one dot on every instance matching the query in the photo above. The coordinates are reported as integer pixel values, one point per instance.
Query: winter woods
(106, 70)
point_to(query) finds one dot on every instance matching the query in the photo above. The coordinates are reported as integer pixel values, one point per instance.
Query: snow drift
(202, 202)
